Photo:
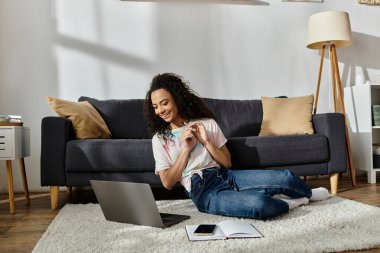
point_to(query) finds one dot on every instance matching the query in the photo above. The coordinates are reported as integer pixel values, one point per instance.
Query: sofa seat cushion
(115, 155)
(271, 151)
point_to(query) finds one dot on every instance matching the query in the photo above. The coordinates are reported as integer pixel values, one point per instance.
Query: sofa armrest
(332, 125)
(55, 133)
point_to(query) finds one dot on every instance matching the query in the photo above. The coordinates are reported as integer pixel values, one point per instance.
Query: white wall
(111, 49)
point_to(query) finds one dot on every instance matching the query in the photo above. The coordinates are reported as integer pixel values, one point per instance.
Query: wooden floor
(21, 231)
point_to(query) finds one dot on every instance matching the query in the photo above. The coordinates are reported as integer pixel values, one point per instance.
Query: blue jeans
(245, 193)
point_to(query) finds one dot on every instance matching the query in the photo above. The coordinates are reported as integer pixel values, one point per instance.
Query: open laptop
(132, 203)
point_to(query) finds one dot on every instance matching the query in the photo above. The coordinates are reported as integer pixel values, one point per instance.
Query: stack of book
(10, 119)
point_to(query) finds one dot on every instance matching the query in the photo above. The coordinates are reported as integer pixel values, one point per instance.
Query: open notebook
(225, 230)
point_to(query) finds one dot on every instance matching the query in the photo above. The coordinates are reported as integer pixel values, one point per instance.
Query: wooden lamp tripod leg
(342, 109)
(333, 84)
(319, 80)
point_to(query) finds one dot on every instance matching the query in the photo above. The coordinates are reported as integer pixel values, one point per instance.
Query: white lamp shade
(329, 27)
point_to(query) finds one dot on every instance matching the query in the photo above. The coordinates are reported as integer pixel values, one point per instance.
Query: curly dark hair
(190, 105)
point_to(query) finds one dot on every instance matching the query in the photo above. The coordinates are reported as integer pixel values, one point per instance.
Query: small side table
(15, 144)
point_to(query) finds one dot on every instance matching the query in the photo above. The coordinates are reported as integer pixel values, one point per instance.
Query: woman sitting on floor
(189, 147)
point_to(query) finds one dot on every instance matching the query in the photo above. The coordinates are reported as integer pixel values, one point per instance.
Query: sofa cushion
(124, 117)
(86, 121)
(237, 118)
(271, 151)
(109, 156)
(286, 116)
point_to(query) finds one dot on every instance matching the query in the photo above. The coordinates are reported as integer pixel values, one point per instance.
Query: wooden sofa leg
(334, 183)
(54, 196)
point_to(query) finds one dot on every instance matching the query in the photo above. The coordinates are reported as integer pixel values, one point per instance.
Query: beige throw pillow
(285, 116)
(87, 122)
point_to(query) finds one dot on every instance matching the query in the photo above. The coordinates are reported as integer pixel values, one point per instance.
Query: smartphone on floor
(205, 229)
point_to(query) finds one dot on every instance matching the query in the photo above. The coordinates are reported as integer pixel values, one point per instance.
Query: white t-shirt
(166, 152)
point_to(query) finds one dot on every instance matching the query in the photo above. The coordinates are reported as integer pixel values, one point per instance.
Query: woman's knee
(289, 176)
(297, 184)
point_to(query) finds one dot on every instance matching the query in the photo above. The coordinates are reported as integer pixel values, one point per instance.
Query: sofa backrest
(126, 120)
(237, 118)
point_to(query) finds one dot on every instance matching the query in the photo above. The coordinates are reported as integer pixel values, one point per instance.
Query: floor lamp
(331, 29)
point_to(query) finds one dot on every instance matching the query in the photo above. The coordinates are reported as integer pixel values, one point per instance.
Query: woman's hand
(188, 140)
(199, 131)
(220, 155)
(172, 175)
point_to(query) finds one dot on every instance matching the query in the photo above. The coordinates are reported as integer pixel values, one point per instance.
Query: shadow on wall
(93, 52)
(363, 53)
(103, 53)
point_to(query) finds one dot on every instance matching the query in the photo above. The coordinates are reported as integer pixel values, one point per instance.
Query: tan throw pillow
(285, 116)
(87, 122)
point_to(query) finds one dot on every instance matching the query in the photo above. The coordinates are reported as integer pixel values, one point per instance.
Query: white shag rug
(332, 225)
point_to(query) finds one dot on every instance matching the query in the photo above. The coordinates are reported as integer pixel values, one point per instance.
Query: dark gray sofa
(128, 156)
